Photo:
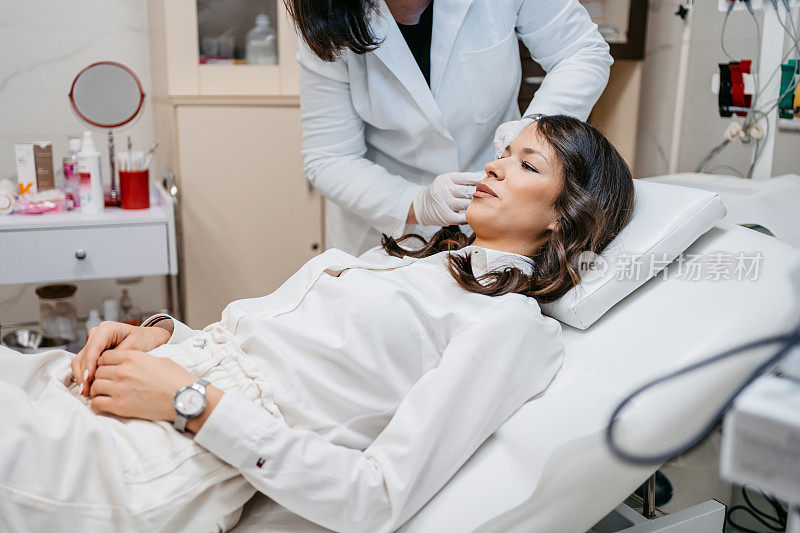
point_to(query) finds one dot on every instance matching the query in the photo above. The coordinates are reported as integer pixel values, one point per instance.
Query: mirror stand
(107, 94)
(113, 193)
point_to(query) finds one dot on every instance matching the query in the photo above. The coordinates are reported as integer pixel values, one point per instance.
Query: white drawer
(40, 255)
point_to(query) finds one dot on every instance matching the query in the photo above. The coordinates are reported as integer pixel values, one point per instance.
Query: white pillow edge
(584, 319)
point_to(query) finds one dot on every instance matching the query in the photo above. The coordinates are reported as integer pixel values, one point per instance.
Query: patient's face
(526, 180)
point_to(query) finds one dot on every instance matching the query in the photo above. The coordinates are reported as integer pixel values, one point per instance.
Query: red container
(134, 188)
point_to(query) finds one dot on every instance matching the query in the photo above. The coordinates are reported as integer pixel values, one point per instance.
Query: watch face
(190, 402)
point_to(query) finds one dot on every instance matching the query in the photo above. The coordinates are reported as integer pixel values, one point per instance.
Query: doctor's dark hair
(329, 26)
(594, 205)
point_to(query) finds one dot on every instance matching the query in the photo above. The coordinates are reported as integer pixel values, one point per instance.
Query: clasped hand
(121, 379)
(135, 384)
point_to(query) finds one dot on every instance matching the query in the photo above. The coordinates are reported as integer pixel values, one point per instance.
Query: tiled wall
(45, 44)
(702, 126)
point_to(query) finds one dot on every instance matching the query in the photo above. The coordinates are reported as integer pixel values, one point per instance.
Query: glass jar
(130, 314)
(58, 316)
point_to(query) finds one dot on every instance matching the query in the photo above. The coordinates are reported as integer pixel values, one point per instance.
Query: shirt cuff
(234, 429)
(180, 331)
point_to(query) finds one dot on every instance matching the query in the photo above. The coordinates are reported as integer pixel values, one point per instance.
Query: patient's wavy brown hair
(594, 205)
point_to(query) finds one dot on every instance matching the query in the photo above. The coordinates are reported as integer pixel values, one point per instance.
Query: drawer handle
(80, 254)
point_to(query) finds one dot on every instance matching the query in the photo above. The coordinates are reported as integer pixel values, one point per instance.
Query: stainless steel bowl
(26, 340)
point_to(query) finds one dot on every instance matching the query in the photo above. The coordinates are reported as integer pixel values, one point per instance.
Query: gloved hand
(508, 131)
(443, 202)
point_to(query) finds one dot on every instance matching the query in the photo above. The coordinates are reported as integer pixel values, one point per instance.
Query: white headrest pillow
(666, 220)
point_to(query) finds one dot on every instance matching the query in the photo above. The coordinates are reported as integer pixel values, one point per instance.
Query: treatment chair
(548, 469)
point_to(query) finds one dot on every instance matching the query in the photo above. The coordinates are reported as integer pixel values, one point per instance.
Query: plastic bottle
(111, 309)
(261, 46)
(89, 167)
(130, 313)
(71, 175)
(93, 321)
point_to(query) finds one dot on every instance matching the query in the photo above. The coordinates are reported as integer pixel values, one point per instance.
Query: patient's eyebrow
(531, 151)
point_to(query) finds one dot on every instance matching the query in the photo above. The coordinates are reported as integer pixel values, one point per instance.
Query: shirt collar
(486, 259)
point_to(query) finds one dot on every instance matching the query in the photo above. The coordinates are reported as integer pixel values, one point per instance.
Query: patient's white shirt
(388, 375)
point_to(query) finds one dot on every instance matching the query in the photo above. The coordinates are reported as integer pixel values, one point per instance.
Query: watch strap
(180, 422)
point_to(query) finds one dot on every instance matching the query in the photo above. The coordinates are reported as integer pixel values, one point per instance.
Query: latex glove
(443, 202)
(508, 131)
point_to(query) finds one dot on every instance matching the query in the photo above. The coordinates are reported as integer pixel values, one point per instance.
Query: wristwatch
(189, 402)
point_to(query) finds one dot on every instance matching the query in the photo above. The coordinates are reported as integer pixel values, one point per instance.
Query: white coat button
(199, 343)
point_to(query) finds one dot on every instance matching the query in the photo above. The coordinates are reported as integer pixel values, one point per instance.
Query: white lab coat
(373, 131)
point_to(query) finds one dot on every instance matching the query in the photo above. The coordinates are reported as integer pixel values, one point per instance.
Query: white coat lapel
(448, 15)
(395, 54)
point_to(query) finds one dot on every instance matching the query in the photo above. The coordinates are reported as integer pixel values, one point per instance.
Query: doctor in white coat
(396, 143)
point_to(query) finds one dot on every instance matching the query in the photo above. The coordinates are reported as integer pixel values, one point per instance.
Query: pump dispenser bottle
(89, 167)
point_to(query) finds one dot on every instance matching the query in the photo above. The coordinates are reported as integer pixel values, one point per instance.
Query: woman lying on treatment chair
(350, 395)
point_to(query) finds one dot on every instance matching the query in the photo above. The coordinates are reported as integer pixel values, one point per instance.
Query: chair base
(706, 517)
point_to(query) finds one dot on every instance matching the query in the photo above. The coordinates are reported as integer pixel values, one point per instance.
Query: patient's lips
(483, 191)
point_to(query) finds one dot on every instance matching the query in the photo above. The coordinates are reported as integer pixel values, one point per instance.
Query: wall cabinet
(179, 23)
(231, 134)
(249, 218)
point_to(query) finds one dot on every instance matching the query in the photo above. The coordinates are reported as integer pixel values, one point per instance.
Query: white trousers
(64, 467)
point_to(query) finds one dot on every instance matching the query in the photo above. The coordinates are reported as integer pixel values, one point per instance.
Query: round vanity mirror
(106, 94)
